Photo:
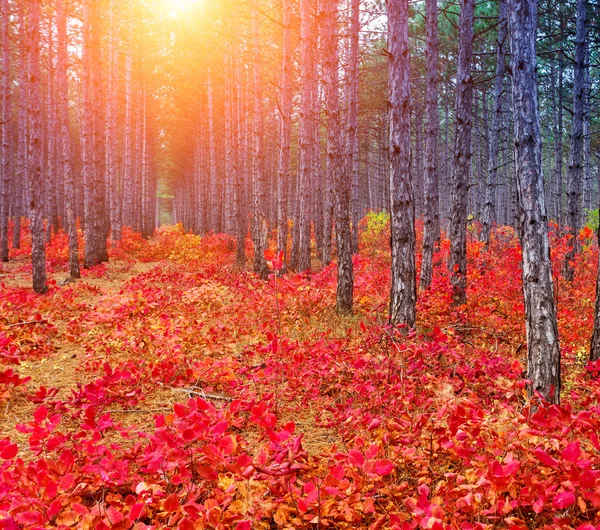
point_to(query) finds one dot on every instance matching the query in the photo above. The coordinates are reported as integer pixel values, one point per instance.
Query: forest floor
(171, 389)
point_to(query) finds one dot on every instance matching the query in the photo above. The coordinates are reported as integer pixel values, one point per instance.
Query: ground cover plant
(171, 389)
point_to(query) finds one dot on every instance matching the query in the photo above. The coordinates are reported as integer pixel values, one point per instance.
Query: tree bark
(258, 175)
(111, 132)
(36, 207)
(283, 173)
(5, 145)
(353, 163)
(95, 222)
(403, 297)
(431, 217)
(543, 369)
(335, 156)
(306, 124)
(462, 156)
(65, 139)
(575, 175)
(489, 213)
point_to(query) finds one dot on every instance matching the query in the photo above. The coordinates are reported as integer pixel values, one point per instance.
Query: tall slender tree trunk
(111, 132)
(5, 144)
(215, 224)
(543, 368)
(558, 144)
(431, 224)
(22, 173)
(240, 184)
(94, 193)
(587, 137)
(336, 156)
(258, 170)
(283, 173)
(36, 207)
(306, 137)
(353, 163)
(403, 298)
(575, 176)
(494, 134)
(65, 138)
(462, 156)
(128, 191)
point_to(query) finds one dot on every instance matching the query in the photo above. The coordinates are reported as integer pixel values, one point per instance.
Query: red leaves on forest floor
(192, 411)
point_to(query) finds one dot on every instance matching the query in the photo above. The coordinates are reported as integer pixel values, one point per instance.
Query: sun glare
(181, 5)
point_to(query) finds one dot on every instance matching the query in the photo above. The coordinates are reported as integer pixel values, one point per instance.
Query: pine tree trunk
(353, 163)
(403, 298)
(5, 144)
(240, 180)
(283, 173)
(127, 200)
(543, 368)
(462, 156)
(494, 134)
(558, 146)
(111, 132)
(306, 136)
(38, 250)
(258, 170)
(65, 139)
(336, 156)
(22, 173)
(431, 217)
(94, 193)
(215, 224)
(575, 175)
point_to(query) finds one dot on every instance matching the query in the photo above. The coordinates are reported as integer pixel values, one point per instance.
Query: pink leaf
(384, 467)
(563, 500)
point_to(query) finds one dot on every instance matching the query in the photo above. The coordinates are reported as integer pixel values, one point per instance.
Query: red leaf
(136, 511)
(40, 414)
(384, 467)
(180, 410)
(356, 458)
(572, 452)
(171, 503)
(545, 458)
(243, 525)
(563, 500)
(269, 255)
(10, 451)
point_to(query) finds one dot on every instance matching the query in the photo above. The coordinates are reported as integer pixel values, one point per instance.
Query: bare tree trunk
(65, 139)
(335, 156)
(353, 146)
(306, 124)
(38, 250)
(403, 298)
(575, 176)
(111, 132)
(283, 173)
(258, 175)
(22, 174)
(543, 368)
(587, 137)
(5, 153)
(240, 214)
(431, 224)
(127, 199)
(558, 145)
(462, 156)
(494, 135)
(215, 224)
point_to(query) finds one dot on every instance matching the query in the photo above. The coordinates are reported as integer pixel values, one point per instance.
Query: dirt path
(62, 369)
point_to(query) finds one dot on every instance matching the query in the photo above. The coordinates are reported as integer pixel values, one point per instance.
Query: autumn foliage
(204, 397)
